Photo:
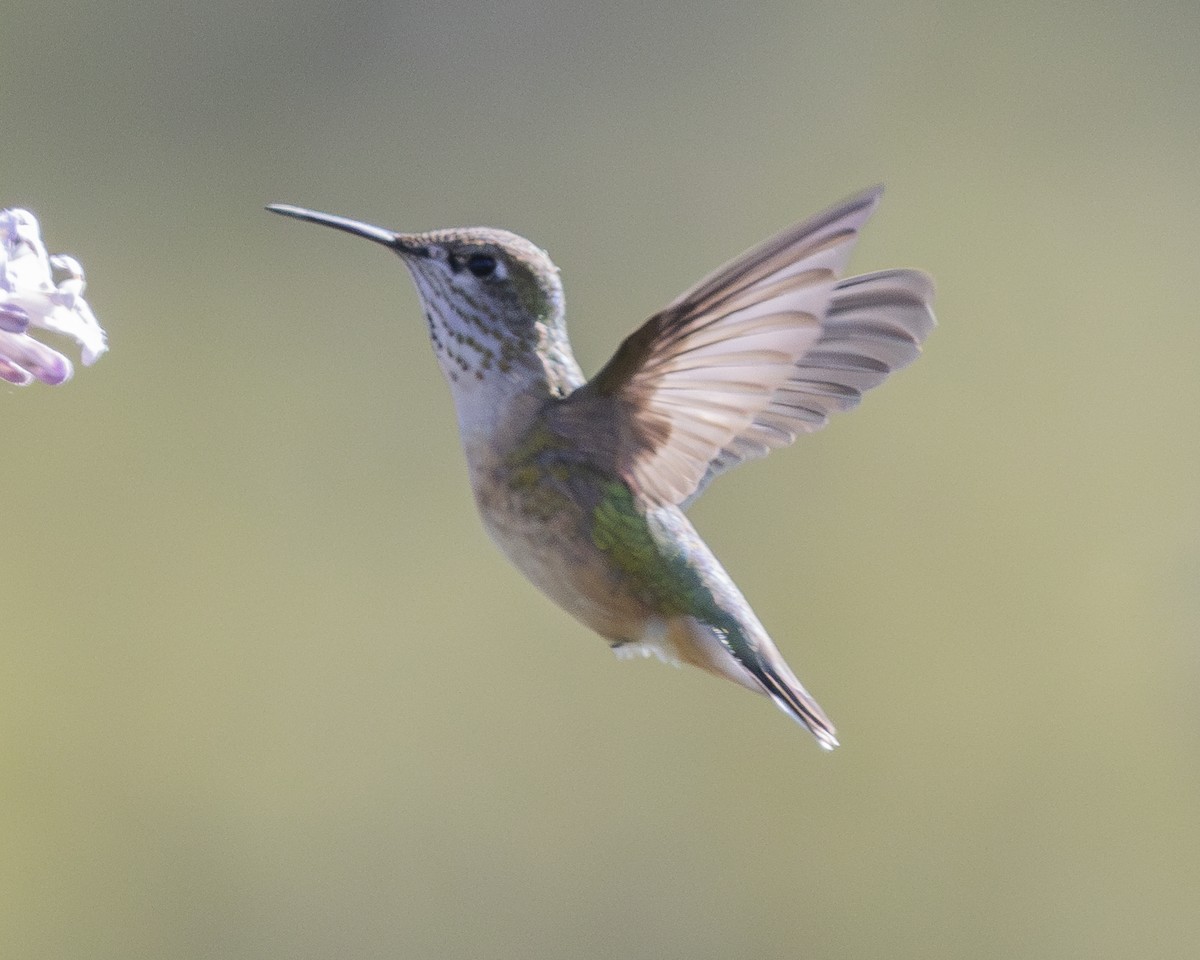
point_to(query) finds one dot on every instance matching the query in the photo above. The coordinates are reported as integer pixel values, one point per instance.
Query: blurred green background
(267, 691)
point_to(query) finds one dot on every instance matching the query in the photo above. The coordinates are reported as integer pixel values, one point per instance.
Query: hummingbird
(583, 483)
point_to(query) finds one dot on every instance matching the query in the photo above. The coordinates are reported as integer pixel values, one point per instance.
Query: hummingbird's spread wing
(755, 353)
(874, 324)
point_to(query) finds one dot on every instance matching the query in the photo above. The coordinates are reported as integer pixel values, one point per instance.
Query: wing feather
(759, 351)
(875, 324)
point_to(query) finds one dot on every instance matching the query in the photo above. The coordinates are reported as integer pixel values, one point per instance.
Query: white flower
(40, 291)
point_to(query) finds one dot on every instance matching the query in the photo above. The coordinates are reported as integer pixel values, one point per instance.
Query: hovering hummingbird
(583, 483)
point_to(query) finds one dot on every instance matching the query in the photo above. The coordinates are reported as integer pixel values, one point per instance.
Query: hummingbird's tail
(740, 650)
(781, 685)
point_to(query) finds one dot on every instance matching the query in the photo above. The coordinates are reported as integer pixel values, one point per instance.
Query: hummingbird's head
(488, 279)
(493, 300)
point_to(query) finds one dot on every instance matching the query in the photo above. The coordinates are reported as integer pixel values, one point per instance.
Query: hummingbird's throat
(472, 347)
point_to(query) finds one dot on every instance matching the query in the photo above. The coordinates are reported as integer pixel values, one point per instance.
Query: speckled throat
(523, 342)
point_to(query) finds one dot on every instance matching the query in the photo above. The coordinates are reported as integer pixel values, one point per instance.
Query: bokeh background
(267, 691)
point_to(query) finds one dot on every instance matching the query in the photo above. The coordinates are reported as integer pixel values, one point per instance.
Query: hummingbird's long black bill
(387, 237)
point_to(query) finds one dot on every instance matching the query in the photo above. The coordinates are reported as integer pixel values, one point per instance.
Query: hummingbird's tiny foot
(654, 643)
(629, 650)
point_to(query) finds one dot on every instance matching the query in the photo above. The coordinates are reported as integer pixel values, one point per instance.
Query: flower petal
(13, 318)
(13, 374)
(26, 354)
(42, 292)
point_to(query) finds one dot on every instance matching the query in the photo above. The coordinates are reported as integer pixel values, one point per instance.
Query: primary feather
(755, 354)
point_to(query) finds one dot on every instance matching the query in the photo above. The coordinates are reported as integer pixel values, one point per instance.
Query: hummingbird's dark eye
(481, 264)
